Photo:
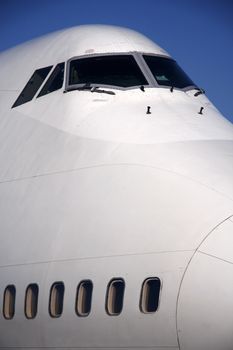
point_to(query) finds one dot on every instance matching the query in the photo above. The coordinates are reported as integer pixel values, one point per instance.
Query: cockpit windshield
(114, 70)
(167, 72)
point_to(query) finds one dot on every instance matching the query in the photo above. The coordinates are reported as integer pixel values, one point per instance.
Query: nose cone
(205, 306)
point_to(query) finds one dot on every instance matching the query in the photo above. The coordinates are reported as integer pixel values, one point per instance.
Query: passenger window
(84, 298)
(115, 296)
(56, 299)
(32, 86)
(9, 302)
(31, 301)
(55, 81)
(150, 295)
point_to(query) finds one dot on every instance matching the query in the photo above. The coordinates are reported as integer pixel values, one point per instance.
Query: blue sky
(197, 33)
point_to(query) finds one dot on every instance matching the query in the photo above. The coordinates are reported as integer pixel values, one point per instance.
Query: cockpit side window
(115, 70)
(167, 72)
(32, 86)
(55, 81)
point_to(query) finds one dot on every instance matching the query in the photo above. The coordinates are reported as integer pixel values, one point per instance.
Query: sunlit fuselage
(128, 185)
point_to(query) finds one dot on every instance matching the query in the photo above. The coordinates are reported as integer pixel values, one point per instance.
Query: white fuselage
(92, 187)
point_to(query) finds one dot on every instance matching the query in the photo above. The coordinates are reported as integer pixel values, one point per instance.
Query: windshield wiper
(142, 87)
(87, 86)
(90, 88)
(199, 92)
(97, 89)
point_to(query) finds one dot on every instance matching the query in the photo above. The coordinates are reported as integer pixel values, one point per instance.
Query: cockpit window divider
(44, 82)
(145, 69)
(49, 84)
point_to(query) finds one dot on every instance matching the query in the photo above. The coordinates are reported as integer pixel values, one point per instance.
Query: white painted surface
(92, 187)
(17, 64)
(220, 242)
(205, 309)
(130, 329)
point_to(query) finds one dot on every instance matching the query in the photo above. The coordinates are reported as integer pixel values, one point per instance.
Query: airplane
(116, 198)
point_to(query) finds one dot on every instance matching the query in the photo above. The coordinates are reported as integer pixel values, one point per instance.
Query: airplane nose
(205, 304)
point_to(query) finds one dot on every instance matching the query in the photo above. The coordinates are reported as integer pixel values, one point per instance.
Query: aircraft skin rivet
(148, 110)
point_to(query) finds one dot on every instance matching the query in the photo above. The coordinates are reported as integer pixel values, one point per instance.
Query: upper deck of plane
(143, 98)
(62, 45)
(133, 64)
(112, 162)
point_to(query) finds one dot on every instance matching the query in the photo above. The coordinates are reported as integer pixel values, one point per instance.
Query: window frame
(142, 295)
(4, 307)
(77, 298)
(47, 79)
(138, 57)
(143, 66)
(107, 301)
(26, 301)
(15, 104)
(134, 54)
(155, 83)
(51, 313)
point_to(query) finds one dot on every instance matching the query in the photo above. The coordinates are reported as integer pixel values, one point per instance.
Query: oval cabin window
(31, 301)
(115, 296)
(56, 299)
(150, 295)
(9, 302)
(84, 297)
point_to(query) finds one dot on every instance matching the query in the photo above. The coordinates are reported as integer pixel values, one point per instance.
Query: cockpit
(114, 71)
(125, 71)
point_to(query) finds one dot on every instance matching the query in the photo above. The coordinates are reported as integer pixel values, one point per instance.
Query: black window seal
(78, 313)
(4, 302)
(25, 301)
(50, 299)
(107, 296)
(141, 295)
